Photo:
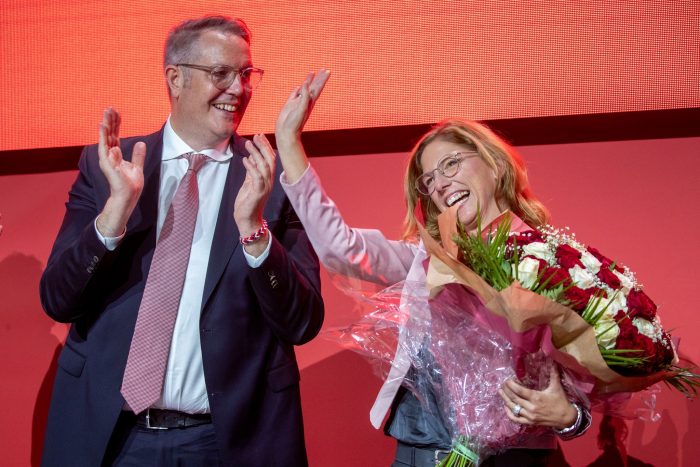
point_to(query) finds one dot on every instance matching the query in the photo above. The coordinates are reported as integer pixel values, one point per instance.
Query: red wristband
(255, 235)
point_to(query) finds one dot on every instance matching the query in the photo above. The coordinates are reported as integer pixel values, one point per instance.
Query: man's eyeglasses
(448, 167)
(223, 76)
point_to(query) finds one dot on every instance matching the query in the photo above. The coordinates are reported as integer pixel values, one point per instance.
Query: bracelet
(255, 235)
(575, 426)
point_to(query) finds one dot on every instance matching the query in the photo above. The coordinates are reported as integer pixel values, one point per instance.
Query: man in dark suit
(249, 291)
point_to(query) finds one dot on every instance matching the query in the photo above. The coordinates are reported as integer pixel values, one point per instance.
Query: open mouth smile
(457, 197)
(226, 107)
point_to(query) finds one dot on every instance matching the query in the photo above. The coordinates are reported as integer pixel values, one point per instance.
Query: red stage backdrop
(634, 200)
(393, 62)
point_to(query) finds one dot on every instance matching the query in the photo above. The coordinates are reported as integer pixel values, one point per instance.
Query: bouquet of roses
(552, 263)
(547, 293)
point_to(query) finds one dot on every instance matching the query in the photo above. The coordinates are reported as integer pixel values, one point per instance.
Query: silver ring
(516, 410)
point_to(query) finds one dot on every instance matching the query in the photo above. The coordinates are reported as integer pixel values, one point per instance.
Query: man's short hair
(180, 47)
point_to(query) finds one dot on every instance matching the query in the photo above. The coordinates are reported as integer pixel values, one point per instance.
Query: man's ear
(174, 79)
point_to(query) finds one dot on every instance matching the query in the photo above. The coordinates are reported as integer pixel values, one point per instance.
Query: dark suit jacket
(250, 320)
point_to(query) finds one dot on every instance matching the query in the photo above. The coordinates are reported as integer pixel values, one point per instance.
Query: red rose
(568, 257)
(627, 328)
(604, 260)
(640, 346)
(578, 298)
(664, 352)
(554, 276)
(527, 237)
(657, 354)
(521, 239)
(639, 304)
(594, 251)
(609, 278)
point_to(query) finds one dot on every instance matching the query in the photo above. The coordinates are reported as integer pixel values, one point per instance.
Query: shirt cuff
(254, 262)
(111, 243)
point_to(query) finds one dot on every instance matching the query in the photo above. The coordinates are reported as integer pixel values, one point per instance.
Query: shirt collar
(174, 146)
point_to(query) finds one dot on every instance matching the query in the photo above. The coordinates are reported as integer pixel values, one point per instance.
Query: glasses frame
(459, 156)
(229, 69)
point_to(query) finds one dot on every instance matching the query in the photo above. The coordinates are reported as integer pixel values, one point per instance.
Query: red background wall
(393, 63)
(634, 200)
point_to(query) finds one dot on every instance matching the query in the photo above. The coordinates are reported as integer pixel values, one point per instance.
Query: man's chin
(226, 132)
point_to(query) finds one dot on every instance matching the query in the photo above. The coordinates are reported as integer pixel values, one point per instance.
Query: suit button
(273, 279)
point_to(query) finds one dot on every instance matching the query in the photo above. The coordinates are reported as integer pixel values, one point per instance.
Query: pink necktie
(150, 345)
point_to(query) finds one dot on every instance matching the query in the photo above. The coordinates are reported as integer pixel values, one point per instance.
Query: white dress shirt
(184, 388)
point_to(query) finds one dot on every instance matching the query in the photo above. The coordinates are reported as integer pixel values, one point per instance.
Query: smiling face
(202, 115)
(474, 181)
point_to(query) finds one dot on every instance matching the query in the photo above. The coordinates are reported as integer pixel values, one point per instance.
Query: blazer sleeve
(288, 284)
(361, 253)
(77, 251)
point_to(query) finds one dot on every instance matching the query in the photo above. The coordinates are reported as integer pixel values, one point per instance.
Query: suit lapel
(145, 214)
(225, 241)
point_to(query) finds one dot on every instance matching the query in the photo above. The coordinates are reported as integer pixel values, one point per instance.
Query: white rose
(591, 262)
(625, 282)
(648, 328)
(538, 250)
(620, 301)
(527, 271)
(606, 331)
(610, 306)
(581, 277)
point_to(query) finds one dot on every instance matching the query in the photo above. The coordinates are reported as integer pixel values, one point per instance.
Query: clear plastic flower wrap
(375, 334)
(448, 345)
(469, 363)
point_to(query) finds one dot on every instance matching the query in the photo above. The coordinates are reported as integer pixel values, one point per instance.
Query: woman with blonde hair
(511, 192)
(457, 163)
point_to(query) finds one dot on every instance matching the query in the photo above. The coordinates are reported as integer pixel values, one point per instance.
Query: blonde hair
(512, 190)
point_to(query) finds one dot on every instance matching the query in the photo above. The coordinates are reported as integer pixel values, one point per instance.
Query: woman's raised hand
(297, 109)
(290, 124)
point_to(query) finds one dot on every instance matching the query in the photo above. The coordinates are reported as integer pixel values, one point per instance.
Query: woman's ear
(174, 79)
